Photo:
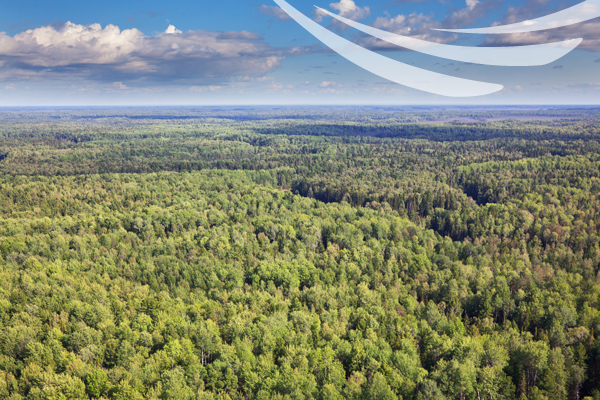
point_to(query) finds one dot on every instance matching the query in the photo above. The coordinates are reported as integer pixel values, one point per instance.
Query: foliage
(167, 257)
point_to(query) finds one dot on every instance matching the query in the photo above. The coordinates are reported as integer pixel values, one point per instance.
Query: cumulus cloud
(210, 88)
(51, 47)
(421, 26)
(265, 79)
(113, 55)
(471, 4)
(326, 84)
(415, 25)
(589, 31)
(531, 9)
(273, 11)
(171, 30)
(467, 16)
(120, 86)
(528, 10)
(347, 9)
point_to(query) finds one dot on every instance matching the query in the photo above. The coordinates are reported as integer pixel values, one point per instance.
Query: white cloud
(347, 9)
(120, 86)
(171, 30)
(49, 47)
(210, 88)
(421, 26)
(471, 4)
(414, 25)
(114, 55)
(589, 31)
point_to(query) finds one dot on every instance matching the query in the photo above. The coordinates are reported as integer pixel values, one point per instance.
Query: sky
(239, 52)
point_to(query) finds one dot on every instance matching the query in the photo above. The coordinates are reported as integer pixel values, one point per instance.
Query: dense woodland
(300, 253)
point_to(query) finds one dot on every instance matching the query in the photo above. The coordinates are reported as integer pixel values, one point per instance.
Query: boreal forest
(300, 253)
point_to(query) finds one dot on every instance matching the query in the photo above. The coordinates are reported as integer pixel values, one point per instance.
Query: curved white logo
(581, 12)
(433, 82)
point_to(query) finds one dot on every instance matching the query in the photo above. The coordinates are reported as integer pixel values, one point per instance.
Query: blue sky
(247, 52)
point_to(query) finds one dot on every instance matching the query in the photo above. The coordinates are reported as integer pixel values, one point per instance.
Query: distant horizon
(2, 107)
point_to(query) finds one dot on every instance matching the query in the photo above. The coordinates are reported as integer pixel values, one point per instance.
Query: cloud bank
(586, 30)
(420, 26)
(110, 54)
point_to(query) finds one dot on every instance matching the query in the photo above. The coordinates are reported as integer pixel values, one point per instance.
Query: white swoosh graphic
(581, 12)
(387, 68)
(539, 54)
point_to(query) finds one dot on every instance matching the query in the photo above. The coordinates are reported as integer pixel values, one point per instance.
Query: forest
(408, 253)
